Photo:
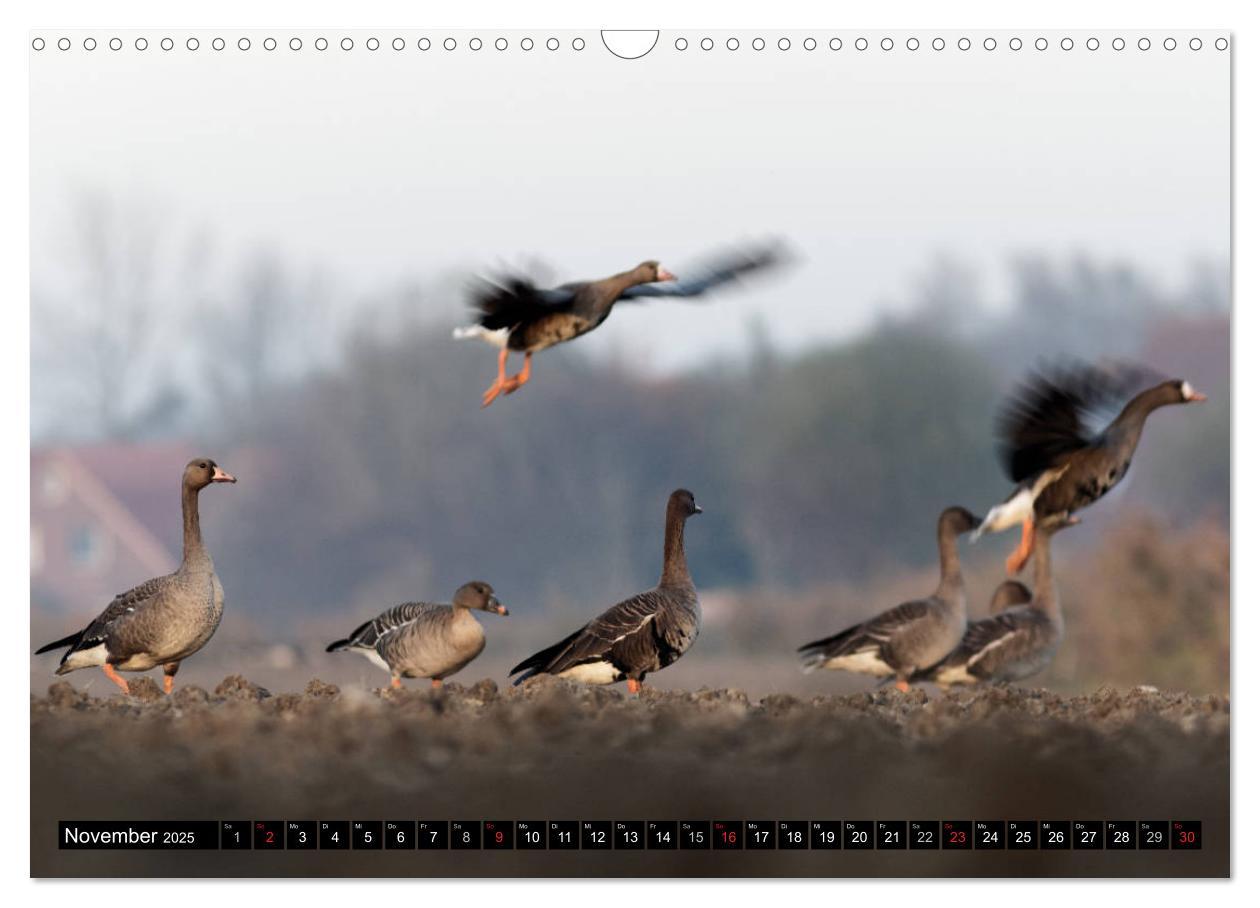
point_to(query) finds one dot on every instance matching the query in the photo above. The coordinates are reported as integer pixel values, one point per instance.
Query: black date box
(859, 834)
(496, 835)
(334, 835)
(300, 835)
(728, 835)
(826, 834)
(562, 835)
(1021, 835)
(629, 834)
(1087, 835)
(1187, 835)
(434, 835)
(366, 835)
(759, 835)
(235, 835)
(268, 835)
(1054, 835)
(531, 835)
(793, 834)
(925, 834)
(662, 834)
(891, 834)
(400, 834)
(597, 834)
(1153, 834)
(466, 835)
(1121, 835)
(989, 835)
(957, 835)
(695, 835)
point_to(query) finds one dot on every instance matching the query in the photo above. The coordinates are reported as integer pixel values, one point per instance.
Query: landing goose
(1058, 461)
(644, 633)
(164, 620)
(514, 314)
(910, 636)
(424, 639)
(1018, 641)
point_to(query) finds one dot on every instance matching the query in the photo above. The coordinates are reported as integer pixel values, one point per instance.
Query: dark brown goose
(1018, 641)
(1059, 462)
(910, 636)
(164, 620)
(644, 633)
(514, 314)
(425, 639)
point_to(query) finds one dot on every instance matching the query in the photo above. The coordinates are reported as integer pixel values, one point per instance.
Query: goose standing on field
(513, 314)
(910, 636)
(1059, 461)
(163, 620)
(644, 633)
(1017, 642)
(423, 639)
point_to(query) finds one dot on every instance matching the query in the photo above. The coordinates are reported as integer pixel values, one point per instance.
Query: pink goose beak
(664, 274)
(220, 475)
(1197, 396)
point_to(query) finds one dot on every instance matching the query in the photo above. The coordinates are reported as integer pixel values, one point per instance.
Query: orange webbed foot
(437, 683)
(634, 686)
(903, 685)
(395, 683)
(168, 684)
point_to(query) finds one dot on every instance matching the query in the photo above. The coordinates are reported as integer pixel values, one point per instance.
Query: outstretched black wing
(1060, 410)
(720, 271)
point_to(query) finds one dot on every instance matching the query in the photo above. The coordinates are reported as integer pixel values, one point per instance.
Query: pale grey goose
(912, 635)
(163, 620)
(1018, 641)
(425, 639)
(643, 634)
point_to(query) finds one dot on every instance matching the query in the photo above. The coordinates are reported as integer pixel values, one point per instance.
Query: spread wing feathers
(982, 638)
(117, 612)
(720, 271)
(1060, 410)
(627, 631)
(366, 635)
(872, 635)
(513, 300)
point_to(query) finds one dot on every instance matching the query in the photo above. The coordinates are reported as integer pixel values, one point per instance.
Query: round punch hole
(912, 44)
(143, 44)
(1222, 43)
(243, 44)
(835, 44)
(1117, 44)
(553, 44)
(321, 44)
(38, 44)
(89, 44)
(759, 44)
(449, 44)
(217, 44)
(1092, 44)
(732, 44)
(63, 43)
(809, 44)
(990, 44)
(886, 43)
(578, 44)
(527, 44)
(1144, 44)
(167, 44)
(706, 44)
(373, 44)
(500, 43)
(860, 44)
(1041, 44)
(938, 44)
(398, 44)
(1066, 44)
(116, 43)
(347, 44)
(295, 44)
(964, 44)
(785, 44)
(269, 44)
(680, 44)
(474, 44)
(424, 44)
(1196, 44)
(1016, 44)
(1170, 44)
(192, 44)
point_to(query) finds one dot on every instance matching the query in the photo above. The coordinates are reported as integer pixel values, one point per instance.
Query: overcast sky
(384, 165)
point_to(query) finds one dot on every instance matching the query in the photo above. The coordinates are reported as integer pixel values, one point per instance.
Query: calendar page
(681, 453)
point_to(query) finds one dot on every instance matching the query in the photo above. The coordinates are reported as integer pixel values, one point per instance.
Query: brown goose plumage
(1059, 463)
(640, 635)
(515, 315)
(164, 620)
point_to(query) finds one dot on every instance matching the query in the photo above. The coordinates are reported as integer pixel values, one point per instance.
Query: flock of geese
(1066, 437)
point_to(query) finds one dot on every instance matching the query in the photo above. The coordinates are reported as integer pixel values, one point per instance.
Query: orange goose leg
(168, 681)
(514, 382)
(437, 683)
(903, 685)
(1018, 558)
(115, 677)
(395, 682)
(635, 686)
(494, 390)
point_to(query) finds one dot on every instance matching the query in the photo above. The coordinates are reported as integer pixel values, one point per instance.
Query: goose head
(1010, 592)
(683, 503)
(1186, 393)
(477, 594)
(653, 272)
(201, 471)
(954, 521)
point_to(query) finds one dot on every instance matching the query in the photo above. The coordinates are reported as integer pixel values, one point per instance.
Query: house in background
(103, 518)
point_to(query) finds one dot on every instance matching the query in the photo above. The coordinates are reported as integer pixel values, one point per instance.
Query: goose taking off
(423, 639)
(1056, 444)
(644, 633)
(1016, 642)
(910, 636)
(163, 620)
(513, 314)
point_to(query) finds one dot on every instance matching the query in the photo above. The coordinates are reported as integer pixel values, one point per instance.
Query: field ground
(551, 750)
